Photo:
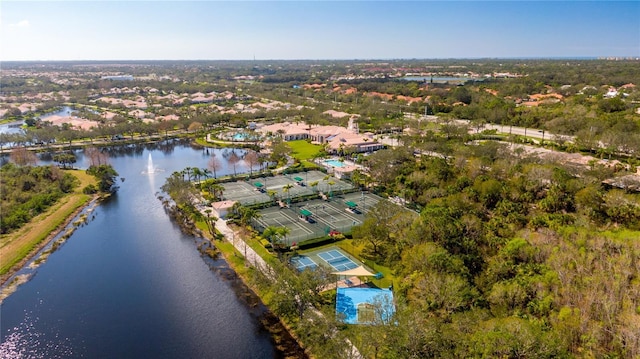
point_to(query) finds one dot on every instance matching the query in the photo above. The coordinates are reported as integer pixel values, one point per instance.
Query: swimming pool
(239, 137)
(334, 163)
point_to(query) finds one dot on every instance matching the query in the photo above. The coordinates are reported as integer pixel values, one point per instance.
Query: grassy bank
(19, 246)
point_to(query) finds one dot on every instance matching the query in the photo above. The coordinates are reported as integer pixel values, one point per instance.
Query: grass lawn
(19, 244)
(303, 150)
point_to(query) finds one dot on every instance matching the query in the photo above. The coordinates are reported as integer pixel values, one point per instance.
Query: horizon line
(636, 57)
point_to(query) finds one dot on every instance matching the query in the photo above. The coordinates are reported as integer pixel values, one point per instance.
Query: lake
(129, 284)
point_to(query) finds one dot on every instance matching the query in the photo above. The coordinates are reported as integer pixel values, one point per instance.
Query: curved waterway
(129, 284)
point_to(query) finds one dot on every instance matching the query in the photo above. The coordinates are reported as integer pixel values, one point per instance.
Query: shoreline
(286, 343)
(281, 334)
(4, 279)
(284, 339)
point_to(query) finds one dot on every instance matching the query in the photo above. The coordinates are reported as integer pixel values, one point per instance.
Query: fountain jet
(150, 168)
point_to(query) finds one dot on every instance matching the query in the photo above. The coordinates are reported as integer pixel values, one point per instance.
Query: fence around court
(328, 216)
(246, 192)
(299, 237)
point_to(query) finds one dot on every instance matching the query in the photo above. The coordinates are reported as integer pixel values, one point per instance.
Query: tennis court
(287, 187)
(364, 201)
(337, 260)
(303, 262)
(300, 230)
(244, 192)
(321, 180)
(332, 215)
(317, 218)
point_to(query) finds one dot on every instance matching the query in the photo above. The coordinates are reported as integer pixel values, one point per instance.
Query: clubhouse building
(336, 138)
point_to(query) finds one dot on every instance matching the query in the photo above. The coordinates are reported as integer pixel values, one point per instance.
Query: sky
(267, 30)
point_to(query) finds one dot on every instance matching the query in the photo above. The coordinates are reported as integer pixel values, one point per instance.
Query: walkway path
(252, 258)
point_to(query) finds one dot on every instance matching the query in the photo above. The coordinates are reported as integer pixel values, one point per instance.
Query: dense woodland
(518, 257)
(27, 191)
(507, 256)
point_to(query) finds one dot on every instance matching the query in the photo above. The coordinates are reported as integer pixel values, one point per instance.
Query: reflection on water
(26, 341)
(129, 284)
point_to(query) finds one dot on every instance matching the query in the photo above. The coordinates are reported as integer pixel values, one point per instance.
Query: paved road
(514, 130)
(504, 129)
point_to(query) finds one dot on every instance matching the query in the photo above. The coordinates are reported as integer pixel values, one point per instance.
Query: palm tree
(196, 173)
(214, 189)
(331, 183)
(270, 233)
(284, 232)
(314, 185)
(276, 236)
(262, 160)
(210, 221)
(187, 172)
(286, 189)
(236, 208)
(272, 194)
(247, 214)
(327, 179)
(207, 184)
(357, 178)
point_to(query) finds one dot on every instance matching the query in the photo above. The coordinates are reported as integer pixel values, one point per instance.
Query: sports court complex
(340, 209)
(285, 187)
(332, 257)
(354, 304)
(317, 218)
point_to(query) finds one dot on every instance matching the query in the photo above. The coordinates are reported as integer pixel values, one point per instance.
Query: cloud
(20, 24)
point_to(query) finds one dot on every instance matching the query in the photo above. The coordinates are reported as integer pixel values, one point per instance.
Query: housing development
(370, 209)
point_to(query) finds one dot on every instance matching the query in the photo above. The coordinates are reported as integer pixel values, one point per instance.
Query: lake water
(16, 127)
(63, 111)
(129, 284)
(11, 127)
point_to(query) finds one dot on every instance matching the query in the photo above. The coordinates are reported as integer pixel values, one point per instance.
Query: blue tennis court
(303, 262)
(337, 260)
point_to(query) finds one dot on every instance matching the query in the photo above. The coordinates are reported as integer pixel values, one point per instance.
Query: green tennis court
(244, 192)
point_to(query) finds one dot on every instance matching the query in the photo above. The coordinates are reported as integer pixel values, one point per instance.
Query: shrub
(312, 243)
(90, 189)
